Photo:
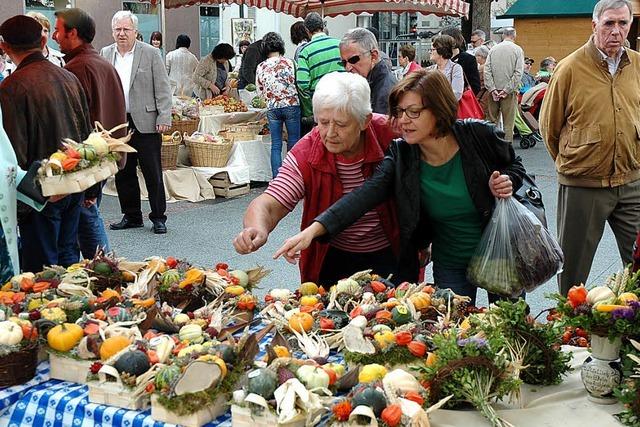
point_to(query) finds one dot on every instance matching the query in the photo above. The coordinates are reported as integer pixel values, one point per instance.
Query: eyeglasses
(411, 112)
(354, 59)
(122, 30)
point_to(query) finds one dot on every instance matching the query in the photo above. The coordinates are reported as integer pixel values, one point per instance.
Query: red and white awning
(300, 8)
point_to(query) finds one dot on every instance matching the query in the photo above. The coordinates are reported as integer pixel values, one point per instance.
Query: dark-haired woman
(181, 64)
(444, 176)
(465, 60)
(299, 36)
(156, 41)
(210, 77)
(276, 82)
(441, 53)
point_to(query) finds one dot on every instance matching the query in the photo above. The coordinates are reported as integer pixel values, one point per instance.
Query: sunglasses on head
(353, 60)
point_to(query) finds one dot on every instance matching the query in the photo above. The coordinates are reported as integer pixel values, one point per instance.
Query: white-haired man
(502, 75)
(147, 95)
(589, 122)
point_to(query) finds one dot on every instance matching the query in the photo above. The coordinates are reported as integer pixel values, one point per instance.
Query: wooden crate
(115, 393)
(242, 417)
(223, 187)
(68, 369)
(200, 418)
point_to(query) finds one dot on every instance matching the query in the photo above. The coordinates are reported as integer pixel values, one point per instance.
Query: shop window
(148, 17)
(209, 28)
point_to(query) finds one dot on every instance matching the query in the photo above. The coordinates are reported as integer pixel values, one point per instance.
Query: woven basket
(169, 153)
(102, 283)
(208, 154)
(184, 300)
(19, 367)
(242, 131)
(184, 126)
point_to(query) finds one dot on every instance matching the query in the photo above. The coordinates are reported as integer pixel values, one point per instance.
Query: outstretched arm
(261, 217)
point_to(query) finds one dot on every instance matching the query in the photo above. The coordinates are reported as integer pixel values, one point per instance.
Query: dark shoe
(159, 227)
(125, 223)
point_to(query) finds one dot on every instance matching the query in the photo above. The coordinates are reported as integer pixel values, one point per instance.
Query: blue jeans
(91, 231)
(290, 116)
(50, 237)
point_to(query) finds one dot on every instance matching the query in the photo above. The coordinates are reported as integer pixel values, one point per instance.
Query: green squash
(262, 382)
(166, 376)
(169, 277)
(87, 152)
(401, 314)
(133, 362)
(227, 353)
(371, 397)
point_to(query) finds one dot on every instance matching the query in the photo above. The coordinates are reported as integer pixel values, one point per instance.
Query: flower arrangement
(629, 392)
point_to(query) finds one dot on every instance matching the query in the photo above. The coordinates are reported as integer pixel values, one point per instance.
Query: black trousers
(148, 146)
(339, 264)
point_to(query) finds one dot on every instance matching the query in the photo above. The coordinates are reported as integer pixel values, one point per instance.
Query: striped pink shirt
(364, 235)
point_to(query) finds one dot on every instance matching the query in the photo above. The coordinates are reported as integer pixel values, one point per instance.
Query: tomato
(577, 295)
(582, 333)
(171, 262)
(566, 337)
(222, 266)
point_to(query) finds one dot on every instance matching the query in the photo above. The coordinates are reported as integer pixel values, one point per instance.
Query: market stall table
(212, 124)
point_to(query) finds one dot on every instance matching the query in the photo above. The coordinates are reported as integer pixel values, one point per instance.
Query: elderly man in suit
(147, 95)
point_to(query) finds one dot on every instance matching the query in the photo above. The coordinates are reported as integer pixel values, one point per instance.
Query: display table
(212, 124)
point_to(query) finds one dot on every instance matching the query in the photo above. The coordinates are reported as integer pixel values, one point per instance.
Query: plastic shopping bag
(516, 252)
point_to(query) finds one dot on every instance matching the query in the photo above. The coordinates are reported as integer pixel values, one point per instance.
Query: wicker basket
(208, 154)
(184, 126)
(19, 367)
(241, 131)
(169, 153)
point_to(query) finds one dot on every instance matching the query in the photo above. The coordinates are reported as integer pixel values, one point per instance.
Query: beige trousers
(507, 107)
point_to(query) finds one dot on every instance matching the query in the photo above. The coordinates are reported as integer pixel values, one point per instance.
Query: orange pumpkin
(40, 286)
(383, 314)
(391, 415)
(29, 331)
(377, 286)
(301, 321)
(113, 345)
(417, 348)
(100, 314)
(109, 293)
(246, 302)
(403, 338)
(420, 300)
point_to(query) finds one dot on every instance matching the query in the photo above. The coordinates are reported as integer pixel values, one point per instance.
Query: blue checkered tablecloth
(53, 403)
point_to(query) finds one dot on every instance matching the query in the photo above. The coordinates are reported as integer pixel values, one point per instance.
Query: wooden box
(242, 417)
(114, 393)
(223, 187)
(68, 369)
(197, 419)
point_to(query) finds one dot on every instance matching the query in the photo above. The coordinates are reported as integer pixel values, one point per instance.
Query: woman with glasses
(444, 175)
(441, 52)
(210, 77)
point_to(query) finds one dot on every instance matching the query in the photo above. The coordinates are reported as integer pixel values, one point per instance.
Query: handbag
(468, 106)
(29, 185)
(530, 197)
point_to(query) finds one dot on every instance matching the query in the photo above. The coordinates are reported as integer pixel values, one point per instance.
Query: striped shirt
(364, 235)
(318, 57)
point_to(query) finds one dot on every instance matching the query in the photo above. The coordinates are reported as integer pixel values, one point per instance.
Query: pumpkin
(383, 315)
(191, 333)
(347, 286)
(109, 293)
(417, 348)
(234, 290)
(370, 397)
(391, 415)
(403, 338)
(308, 288)
(133, 363)
(181, 319)
(377, 286)
(167, 375)
(401, 314)
(55, 314)
(217, 360)
(301, 321)
(112, 346)
(420, 300)
(262, 382)
(372, 372)
(246, 302)
(384, 339)
(313, 377)
(64, 337)
(600, 294)
(10, 333)
(308, 300)
(242, 276)
(169, 277)
(627, 297)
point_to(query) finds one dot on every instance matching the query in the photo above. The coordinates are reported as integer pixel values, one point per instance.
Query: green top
(549, 8)
(454, 218)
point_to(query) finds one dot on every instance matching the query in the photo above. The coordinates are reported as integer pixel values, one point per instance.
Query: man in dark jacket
(250, 60)
(42, 104)
(74, 32)
(361, 55)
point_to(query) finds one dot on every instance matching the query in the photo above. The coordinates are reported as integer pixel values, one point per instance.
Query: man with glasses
(360, 55)
(147, 96)
(477, 39)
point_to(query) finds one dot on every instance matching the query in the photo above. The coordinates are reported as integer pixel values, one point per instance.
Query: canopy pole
(163, 22)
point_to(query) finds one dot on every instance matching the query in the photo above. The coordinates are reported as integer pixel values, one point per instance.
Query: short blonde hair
(347, 93)
(42, 20)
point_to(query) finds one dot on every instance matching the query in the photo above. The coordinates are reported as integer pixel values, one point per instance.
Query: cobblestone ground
(202, 233)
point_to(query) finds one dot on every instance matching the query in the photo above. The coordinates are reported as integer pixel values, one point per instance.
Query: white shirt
(55, 57)
(612, 63)
(180, 65)
(124, 65)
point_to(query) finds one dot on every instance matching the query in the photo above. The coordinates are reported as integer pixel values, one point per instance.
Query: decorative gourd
(347, 286)
(55, 314)
(281, 351)
(35, 303)
(133, 363)
(377, 286)
(242, 276)
(403, 338)
(339, 317)
(109, 293)
(308, 288)
(226, 352)
(234, 290)
(280, 294)
(181, 319)
(87, 152)
(414, 396)
(112, 346)
(383, 315)
(391, 415)
(627, 297)
(384, 339)
(10, 333)
(246, 302)
(420, 300)
(217, 360)
(371, 373)
(262, 382)
(337, 368)
(191, 333)
(417, 348)
(118, 314)
(166, 376)
(400, 381)
(193, 276)
(431, 359)
(401, 314)
(301, 321)
(600, 294)
(194, 348)
(169, 277)
(380, 328)
(308, 300)
(64, 337)
(163, 345)
(313, 377)
(371, 397)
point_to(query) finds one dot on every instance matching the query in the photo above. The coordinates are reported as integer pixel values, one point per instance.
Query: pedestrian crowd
(388, 176)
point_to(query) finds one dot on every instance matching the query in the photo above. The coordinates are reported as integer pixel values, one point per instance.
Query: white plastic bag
(516, 252)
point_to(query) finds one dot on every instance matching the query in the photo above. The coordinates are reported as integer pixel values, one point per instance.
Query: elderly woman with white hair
(337, 156)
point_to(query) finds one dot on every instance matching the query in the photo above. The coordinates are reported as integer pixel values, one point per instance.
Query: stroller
(527, 127)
